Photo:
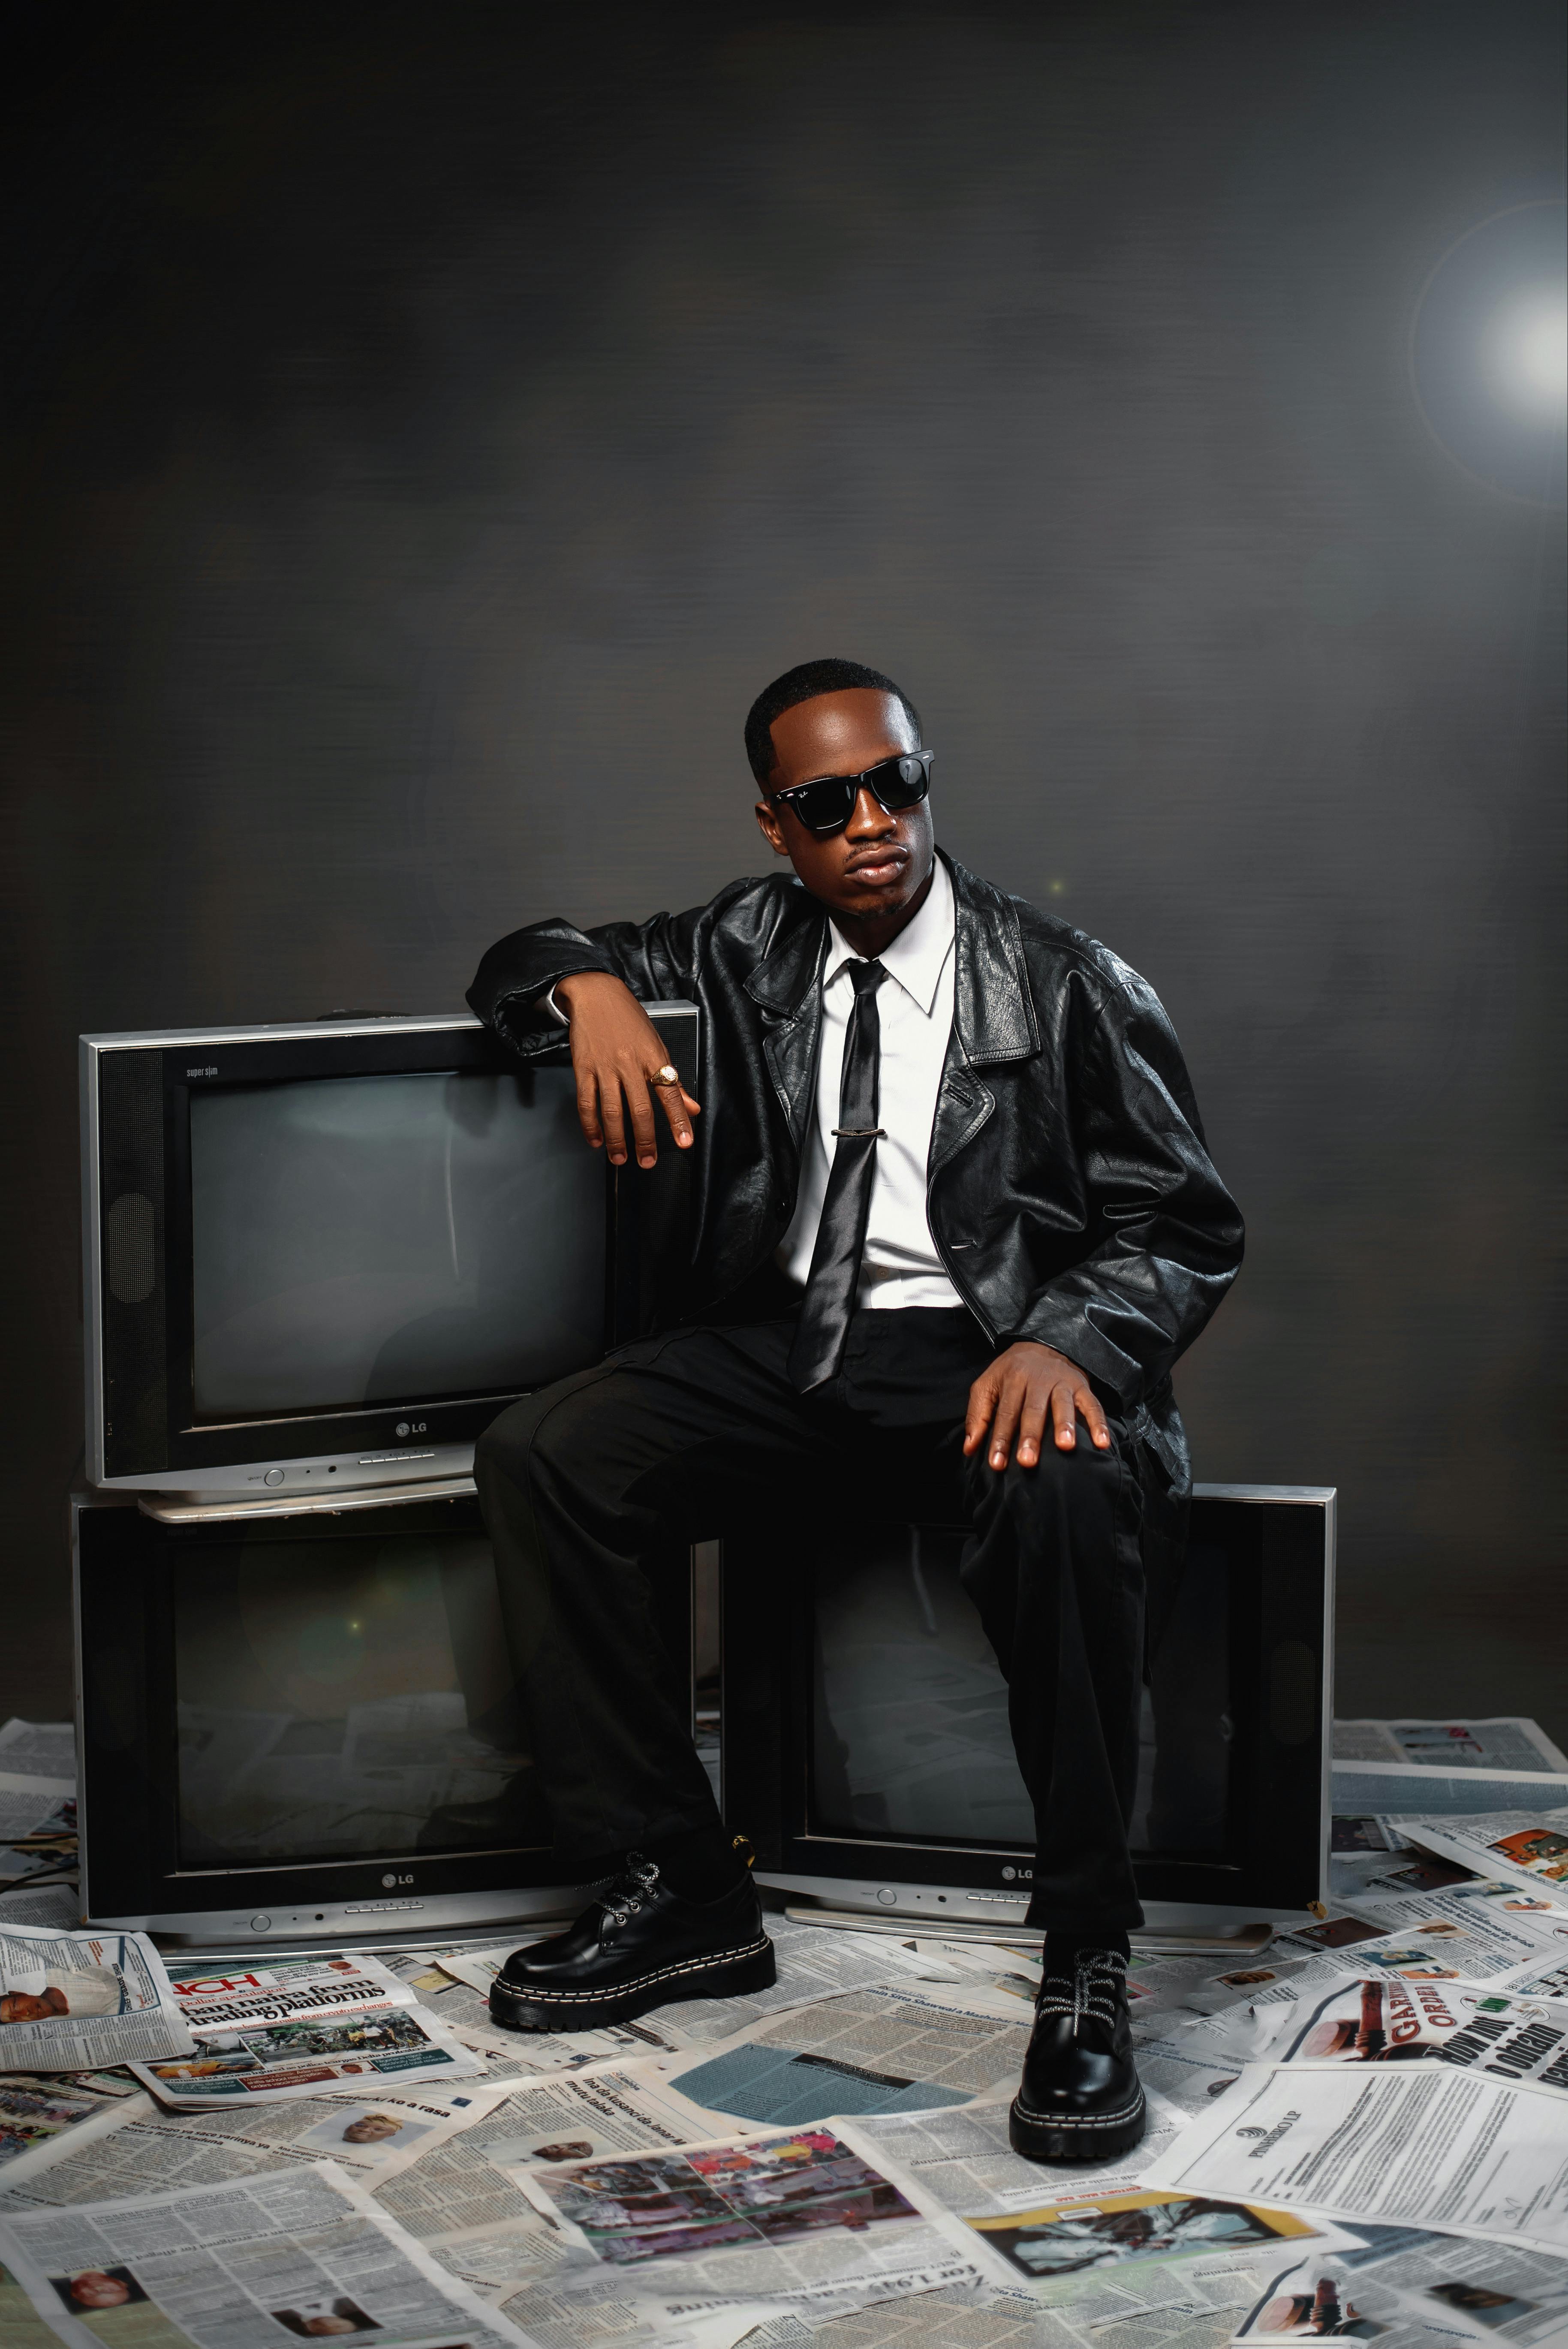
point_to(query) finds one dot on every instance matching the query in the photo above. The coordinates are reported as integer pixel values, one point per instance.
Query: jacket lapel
(784, 986)
(993, 1012)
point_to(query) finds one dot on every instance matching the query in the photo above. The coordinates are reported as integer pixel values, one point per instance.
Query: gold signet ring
(665, 1076)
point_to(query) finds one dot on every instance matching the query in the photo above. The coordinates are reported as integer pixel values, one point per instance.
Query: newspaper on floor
(799, 2218)
(233, 2266)
(1526, 1848)
(146, 2149)
(462, 2197)
(1360, 2019)
(40, 1749)
(71, 2001)
(936, 2320)
(37, 1825)
(1405, 2287)
(1473, 1930)
(868, 2051)
(1414, 2145)
(812, 1963)
(1499, 1741)
(57, 1906)
(360, 2051)
(40, 2117)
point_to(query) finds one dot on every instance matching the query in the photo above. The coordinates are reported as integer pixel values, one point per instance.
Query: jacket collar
(992, 1008)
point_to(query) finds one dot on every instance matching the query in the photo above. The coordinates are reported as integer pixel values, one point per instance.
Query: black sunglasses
(826, 806)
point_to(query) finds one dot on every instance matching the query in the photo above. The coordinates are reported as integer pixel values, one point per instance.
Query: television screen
(909, 1709)
(364, 1239)
(344, 1696)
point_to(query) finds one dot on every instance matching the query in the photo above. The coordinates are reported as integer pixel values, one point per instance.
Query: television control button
(260, 1924)
(887, 1897)
(273, 1476)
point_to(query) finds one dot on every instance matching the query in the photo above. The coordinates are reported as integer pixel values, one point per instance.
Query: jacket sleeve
(1170, 1237)
(657, 959)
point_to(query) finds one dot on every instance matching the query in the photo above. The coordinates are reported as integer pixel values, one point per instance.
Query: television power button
(273, 1476)
(260, 1924)
(887, 1896)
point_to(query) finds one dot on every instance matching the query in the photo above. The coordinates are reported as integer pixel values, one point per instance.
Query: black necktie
(819, 1343)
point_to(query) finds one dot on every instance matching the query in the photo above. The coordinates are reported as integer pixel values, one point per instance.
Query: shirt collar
(919, 954)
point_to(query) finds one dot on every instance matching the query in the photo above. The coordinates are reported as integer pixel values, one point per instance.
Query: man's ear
(772, 831)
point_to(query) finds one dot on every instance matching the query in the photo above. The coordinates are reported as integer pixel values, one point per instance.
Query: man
(954, 1220)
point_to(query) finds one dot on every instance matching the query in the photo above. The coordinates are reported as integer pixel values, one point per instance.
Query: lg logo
(411, 1427)
(1008, 1875)
(390, 1882)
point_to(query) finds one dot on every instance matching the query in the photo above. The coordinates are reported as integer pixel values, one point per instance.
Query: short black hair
(804, 683)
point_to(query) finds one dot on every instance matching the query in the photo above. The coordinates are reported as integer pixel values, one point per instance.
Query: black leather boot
(1079, 2099)
(637, 1946)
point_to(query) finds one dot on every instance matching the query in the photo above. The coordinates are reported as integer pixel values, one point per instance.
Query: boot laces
(623, 1893)
(1094, 1989)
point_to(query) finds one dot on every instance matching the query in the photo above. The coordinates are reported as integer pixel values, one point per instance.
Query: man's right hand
(615, 1051)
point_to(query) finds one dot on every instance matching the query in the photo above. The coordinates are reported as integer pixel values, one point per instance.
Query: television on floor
(328, 1254)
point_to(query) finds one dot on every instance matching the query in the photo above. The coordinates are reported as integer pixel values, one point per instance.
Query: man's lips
(876, 865)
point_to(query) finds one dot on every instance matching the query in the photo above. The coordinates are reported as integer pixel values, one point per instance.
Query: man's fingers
(1064, 1418)
(1009, 1405)
(640, 1107)
(678, 1107)
(1032, 1426)
(588, 1108)
(977, 1419)
(610, 1118)
(1093, 1418)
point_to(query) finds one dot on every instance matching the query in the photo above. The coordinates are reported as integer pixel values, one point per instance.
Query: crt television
(326, 1255)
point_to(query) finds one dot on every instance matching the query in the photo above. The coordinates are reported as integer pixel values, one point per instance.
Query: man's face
(370, 2128)
(879, 863)
(23, 2006)
(95, 2290)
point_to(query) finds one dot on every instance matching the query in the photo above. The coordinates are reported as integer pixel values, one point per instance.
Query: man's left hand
(1026, 1390)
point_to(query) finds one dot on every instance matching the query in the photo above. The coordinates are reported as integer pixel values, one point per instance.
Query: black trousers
(681, 1437)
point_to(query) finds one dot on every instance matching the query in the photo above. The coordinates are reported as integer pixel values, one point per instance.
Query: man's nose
(870, 818)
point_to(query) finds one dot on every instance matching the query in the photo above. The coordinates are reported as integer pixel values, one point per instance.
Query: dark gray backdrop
(428, 427)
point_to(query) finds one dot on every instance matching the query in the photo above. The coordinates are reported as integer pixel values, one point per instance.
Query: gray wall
(427, 433)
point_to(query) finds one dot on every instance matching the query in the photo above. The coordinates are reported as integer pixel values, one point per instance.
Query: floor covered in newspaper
(1360, 2128)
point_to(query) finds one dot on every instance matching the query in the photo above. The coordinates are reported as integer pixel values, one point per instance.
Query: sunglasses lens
(827, 805)
(899, 783)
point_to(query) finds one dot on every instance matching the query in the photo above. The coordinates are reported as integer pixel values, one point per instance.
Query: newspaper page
(960, 2159)
(149, 2150)
(71, 2001)
(1528, 1848)
(1417, 2144)
(1405, 2287)
(40, 1749)
(40, 2117)
(305, 2054)
(811, 1964)
(870, 2050)
(1471, 1930)
(236, 2266)
(42, 1808)
(285, 1990)
(1362, 2019)
(1500, 1742)
(798, 2219)
(57, 1906)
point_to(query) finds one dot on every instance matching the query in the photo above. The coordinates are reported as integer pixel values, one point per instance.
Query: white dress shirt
(899, 1266)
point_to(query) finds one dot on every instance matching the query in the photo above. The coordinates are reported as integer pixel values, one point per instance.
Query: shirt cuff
(546, 1002)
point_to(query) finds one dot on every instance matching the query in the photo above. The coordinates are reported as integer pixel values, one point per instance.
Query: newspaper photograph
(1475, 1930)
(147, 2149)
(241, 2266)
(1500, 1742)
(69, 2002)
(799, 2219)
(40, 2117)
(1405, 2287)
(307, 2054)
(870, 2050)
(1417, 2144)
(1529, 1850)
(1061, 2239)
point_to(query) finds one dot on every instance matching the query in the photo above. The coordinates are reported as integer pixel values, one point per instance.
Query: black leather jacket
(1070, 1193)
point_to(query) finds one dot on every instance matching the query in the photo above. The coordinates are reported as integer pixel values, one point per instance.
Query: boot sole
(1088, 2137)
(725, 1976)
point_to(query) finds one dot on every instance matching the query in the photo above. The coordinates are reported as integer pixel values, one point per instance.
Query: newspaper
(1500, 1741)
(1358, 2019)
(1405, 2287)
(145, 2150)
(38, 1808)
(1414, 2145)
(1472, 1931)
(40, 1749)
(811, 1964)
(40, 2117)
(230, 2266)
(1528, 1848)
(868, 2051)
(799, 2219)
(70, 2000)
(55, 1905)
(370, 2045)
